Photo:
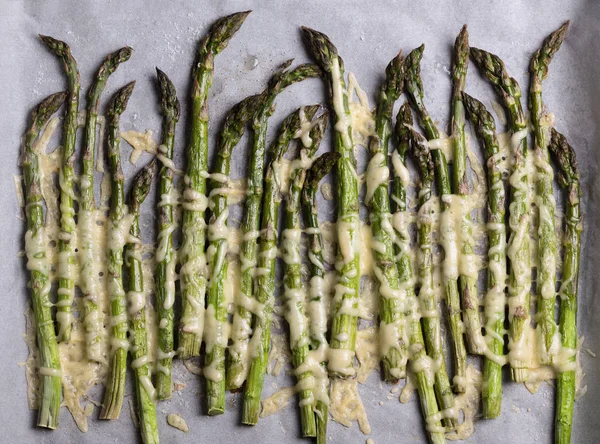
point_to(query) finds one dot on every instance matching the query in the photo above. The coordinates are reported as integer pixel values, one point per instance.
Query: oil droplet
(250, 63)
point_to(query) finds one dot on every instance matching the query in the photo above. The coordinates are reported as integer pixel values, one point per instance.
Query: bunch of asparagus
(410, 318)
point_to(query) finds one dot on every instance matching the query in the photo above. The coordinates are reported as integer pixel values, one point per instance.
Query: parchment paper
(368, 35)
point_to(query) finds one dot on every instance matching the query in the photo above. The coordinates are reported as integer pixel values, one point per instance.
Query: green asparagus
(294, 295)
(38, 267)
(317, 308)
(145, 393)
(519, 281)
(264, 286)
(345, 303)
(238, 369)
(165, 255)
(193, 268)
(86, 223)
(393, 293)
(495, 300)
(430, 311)
(117, 231)
(467, 278)
(66, 243)
(216, 316)
(568, 178)
(414, 91)
(424, 350)
(547, 330)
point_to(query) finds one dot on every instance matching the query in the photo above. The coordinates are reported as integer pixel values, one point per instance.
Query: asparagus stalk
(568, 178)
(430, 311)
(67, 240)
(243, 314)
(414, 91)
(467, 278)
(165, 256)
(393, 293)
(345, 303)
(265, 272)
(37, 264)
(547, 329)
(317, 308)
(428, 347)
(519, 281)
(145, 393)
(86, 223)
(294, 293)
(117, 231)
(216, 315)
(193, 268)
(495, 300)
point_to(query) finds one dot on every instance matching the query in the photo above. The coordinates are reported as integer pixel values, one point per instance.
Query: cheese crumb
(177, 421)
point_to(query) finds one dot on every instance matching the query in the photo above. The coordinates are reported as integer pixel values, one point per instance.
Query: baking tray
(368, 35)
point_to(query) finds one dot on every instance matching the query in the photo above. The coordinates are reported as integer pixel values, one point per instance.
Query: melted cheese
(277, 401)
(362, 119)
(160, 155)
(141, 142)
(449, 239)
(175, 420)
(519, 355)
(303, 133)
(346, 405)
(93, 320)
(468, 403)
(79, 374)
(327, 191)
(339, 96)
(378, 174)
(400, 169)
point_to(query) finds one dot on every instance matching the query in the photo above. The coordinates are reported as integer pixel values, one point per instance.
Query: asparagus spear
(66, 241)
(216, 316)
(292, 281)
(568, 178)
(519, 282)
(345, 303)
(37, 264)
(495, 300)
(430, 310)
(238, 368)
(117, 231)
(393, 293)
(145, 393)
(165, 256)
(193, 268)
(547, 330)
(317, 307)
(467, 278)
(265, 273)
(414, 91)
(87, 205)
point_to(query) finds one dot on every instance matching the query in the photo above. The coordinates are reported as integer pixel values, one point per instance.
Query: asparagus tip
(141, 183)
(542, 57)
(320, 46)
(46, 108)
(394, 76)
(168, 95)
(320, 167)
(565, 157)
(414, 57)
(462, 39)
(122, 54)
(119, 101)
